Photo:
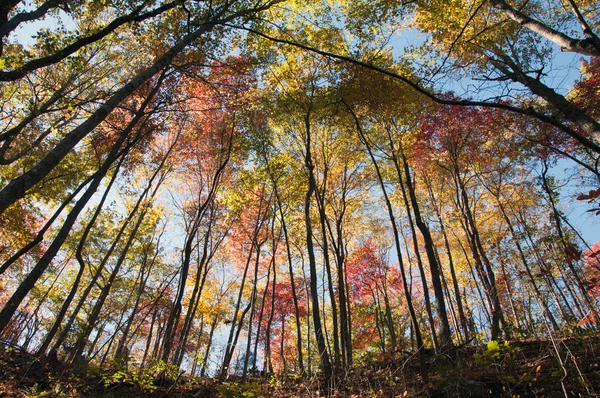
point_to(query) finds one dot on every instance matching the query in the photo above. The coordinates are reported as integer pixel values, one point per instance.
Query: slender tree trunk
(417, 254)
(411, 309)
(145, 270)
(525, 263)
(252, 305)
(378, 321)
(82, 340)
(213, 326)
(434, 266)
(327, 264)
(233, 334)
(174, 315)
(268, 359)
(203, 269)
(457, 295)
(339, 247)
(314, 293)
(482, 299)
(197, 350)
(290, 269)
(281, 351)
(149, 339)
(67, 303)
(486, 274)
(566, 245)
(272, 266)
(388, 313)
(508, 283)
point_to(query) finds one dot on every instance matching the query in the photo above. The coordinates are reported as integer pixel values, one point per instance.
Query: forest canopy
(230, 187)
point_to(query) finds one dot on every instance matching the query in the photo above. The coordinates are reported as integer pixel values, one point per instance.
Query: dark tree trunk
(314, 293)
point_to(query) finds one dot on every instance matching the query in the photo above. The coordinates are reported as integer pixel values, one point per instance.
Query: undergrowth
(534, 368)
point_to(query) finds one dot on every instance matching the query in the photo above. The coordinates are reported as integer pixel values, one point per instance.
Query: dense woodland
(232, 188)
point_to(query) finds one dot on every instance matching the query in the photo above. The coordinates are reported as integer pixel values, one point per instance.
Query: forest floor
(540, 368)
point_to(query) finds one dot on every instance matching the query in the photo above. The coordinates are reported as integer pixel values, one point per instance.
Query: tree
(18, 186)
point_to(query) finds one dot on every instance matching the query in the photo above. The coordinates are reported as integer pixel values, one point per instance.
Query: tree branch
(32, 65)
(566, 43)
(586, 142)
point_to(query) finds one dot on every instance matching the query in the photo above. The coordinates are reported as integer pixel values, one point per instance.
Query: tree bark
(586, 46)
(314, 293)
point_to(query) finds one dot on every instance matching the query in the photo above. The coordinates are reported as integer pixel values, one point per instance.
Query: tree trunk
(390, 210)
(290, 269)
(78, 254)
(434, 266)
(457, 295)
(314, 293)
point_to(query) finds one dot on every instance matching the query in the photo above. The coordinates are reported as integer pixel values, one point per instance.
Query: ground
(539, 368)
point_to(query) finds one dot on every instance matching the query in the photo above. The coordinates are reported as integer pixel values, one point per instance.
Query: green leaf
(493, 346)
